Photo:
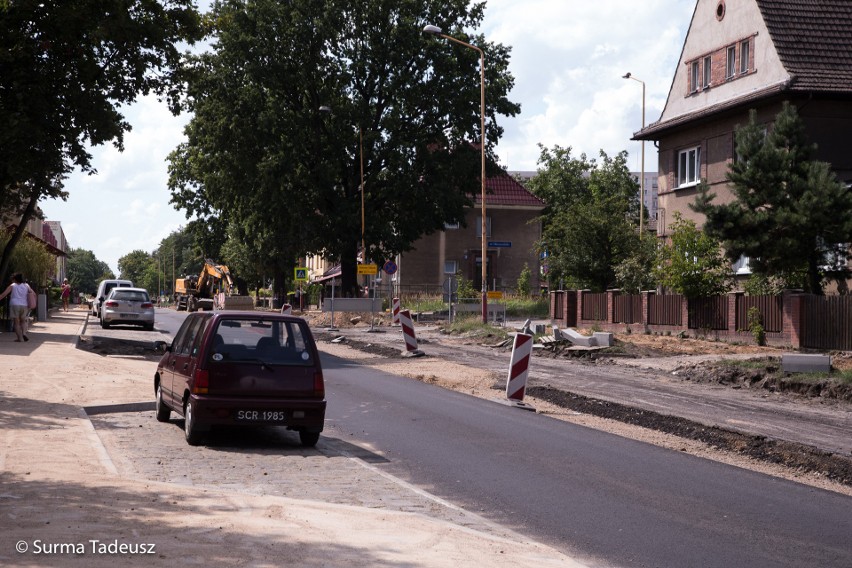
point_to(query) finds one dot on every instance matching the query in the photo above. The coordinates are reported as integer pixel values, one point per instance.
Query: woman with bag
(20, 304)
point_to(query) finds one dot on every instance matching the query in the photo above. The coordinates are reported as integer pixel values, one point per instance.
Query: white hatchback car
(126, 305)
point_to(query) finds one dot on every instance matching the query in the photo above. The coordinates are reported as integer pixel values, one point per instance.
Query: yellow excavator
(214, 288)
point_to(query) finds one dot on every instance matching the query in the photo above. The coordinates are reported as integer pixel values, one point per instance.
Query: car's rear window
(276, 342)
(130, 296)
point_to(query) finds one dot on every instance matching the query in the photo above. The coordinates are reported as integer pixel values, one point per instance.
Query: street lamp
(436, 31)
(361, 158)
(642, 181)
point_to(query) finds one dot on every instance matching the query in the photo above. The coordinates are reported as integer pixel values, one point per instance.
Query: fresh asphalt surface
(587, 493)
(603, 499)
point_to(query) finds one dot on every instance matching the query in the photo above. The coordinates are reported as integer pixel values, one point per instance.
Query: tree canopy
(589, 223)
(791, 216)
(85, 271)
(692, 262)
(286, 176)
(66, 68)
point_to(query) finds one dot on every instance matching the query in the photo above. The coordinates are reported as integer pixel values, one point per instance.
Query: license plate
(129, 316)
(261, 415)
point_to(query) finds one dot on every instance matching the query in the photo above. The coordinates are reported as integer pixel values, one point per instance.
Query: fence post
(580, 294)
(684, 312)
(791, 301)
(610, 304)
(733, 303)
(646, 308)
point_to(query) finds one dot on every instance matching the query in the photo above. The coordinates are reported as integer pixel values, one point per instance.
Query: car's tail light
(111, 304)
(319, 384)
(146, 305)
(201, 381)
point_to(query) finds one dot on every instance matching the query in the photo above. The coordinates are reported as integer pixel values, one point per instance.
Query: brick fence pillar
(610, 304)
(791, 302)
(646, 308)
(733, 302)
(684, 312)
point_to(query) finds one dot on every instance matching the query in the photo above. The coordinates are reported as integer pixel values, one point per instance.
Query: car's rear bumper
(113, 318)
(298, 414)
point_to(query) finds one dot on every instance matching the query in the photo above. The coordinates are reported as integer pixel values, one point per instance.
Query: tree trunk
(16, 236)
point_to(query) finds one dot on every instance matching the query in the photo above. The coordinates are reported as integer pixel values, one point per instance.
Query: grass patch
(473, 327)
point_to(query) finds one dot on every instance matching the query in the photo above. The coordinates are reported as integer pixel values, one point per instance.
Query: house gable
(730, 36)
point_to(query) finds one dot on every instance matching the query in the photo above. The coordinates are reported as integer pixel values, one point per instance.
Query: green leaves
(692, 262)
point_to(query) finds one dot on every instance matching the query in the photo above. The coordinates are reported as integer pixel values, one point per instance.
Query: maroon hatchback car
(242, 369)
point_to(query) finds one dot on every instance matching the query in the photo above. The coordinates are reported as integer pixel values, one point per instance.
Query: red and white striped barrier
(287, 310)
(408, 333)
(519, 367)
(396, 307)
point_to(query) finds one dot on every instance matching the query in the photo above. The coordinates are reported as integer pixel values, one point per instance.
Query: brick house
(740, 55)
(512, 229)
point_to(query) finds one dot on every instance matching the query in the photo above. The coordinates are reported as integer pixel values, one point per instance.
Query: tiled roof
(504, 190)
(813, 40)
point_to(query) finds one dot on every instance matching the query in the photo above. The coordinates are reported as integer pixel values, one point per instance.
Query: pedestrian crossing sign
(301, 274)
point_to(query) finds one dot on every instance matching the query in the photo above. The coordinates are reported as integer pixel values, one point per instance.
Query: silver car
(130, 306)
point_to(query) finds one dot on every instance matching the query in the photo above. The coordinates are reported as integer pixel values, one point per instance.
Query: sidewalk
(63, 500)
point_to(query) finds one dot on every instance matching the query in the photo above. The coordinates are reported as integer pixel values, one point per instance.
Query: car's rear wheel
(191, 431)
(104, 324)
(148, 327)
(163, 411)
(309, 439)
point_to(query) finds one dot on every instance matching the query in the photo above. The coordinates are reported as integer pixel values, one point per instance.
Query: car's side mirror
(162, 346)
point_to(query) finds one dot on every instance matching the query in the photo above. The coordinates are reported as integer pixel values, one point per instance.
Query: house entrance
(474, 273)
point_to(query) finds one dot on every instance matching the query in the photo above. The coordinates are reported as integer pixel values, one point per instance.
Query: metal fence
(594, 307)
(770, 308)
(627, 308)
(665, 309)
(708, 313)
(827, 322)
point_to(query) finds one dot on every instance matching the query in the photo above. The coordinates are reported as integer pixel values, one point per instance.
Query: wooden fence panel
(826, 322)
(708, 313)
(664, 310)
(627, 308)
(594, 307)
(771, 312)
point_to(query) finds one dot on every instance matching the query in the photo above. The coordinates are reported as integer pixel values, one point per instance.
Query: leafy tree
(263, 158)
(589, 223)
(636, 272)
(136, 266)
(524, 281)
(692, 263)
(791, 216)
(31, 259)
(65, 70)
(85, 271)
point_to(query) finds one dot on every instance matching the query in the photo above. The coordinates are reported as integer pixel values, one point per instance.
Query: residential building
(512, 229)
(740, 55)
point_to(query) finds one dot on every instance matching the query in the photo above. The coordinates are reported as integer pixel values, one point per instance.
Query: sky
(568, 59)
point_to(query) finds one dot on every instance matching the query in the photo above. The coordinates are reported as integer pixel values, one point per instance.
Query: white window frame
(689, 166)
(741, 266)
(731, 63)
(745, 49)
(487, 226)
(451, 267)
(694, 77)
(708, 71)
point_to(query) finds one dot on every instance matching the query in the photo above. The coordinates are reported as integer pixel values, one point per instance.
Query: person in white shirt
(18, 307)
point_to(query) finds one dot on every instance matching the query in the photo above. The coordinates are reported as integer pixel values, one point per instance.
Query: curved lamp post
(642, 182)
(436, 31)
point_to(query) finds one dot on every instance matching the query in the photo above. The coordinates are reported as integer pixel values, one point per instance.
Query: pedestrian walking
(66, 294)
(19, 304)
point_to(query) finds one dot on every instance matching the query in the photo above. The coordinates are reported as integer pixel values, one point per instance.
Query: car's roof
(128, 289)
(245, 314)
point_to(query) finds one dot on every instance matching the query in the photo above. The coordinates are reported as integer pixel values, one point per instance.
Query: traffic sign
(370, 269)
(500, 244)
(390, 267)
(494, 295)
(300, 274)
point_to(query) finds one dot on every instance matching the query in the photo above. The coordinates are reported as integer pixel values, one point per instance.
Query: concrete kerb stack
(408, 334)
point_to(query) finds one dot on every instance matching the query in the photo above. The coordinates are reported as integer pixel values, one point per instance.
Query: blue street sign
(500, 244)
(390, 267)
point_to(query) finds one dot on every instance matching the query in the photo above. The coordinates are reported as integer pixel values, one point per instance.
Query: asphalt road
(585, 492)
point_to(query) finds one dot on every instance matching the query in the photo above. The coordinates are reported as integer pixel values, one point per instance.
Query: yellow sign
(495, 295)
(371, 269)
(300, 274)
